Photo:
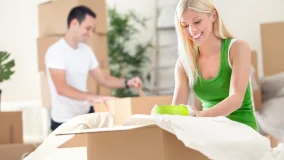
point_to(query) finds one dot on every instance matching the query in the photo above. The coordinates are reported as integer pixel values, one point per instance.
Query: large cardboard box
(257, 92)
(15, 151)
(53, 15)
(123, 108)
(132, 143)
(11, 131)
(272, 47)
(45, 93)
(98, 43)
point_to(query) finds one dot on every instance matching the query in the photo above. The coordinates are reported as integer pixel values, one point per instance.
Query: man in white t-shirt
(68, 63)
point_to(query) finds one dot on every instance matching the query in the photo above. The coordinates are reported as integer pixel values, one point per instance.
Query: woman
(212, 63)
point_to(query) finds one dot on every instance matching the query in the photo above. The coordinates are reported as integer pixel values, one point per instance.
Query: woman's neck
(211, 46)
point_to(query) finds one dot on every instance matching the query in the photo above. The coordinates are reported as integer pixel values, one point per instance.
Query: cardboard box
(45, 93)
(272, 47)
(123, 108)
(11, 131)
(132, 143)
(53, 16)
(15, 151)
(256, 93)
(98, 43)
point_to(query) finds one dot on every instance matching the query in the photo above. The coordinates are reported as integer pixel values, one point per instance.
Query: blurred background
(152, 46)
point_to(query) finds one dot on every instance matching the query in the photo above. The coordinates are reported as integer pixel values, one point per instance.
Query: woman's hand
(197, 113)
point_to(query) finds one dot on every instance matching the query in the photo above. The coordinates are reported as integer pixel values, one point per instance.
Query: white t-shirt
(77, 63)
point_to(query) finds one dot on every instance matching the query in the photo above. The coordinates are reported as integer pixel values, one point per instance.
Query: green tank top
(212, 91)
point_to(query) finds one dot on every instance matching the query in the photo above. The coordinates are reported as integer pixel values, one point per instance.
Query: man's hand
(100, 99)
(135, 82)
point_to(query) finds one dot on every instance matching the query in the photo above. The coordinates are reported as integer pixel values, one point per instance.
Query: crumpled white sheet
(48, 149)
(218, 138)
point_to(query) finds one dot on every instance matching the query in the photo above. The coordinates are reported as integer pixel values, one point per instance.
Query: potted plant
(6, 67)
(124, 61)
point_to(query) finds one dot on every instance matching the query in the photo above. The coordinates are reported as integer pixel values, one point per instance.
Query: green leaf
(6, 66)
(126, 63)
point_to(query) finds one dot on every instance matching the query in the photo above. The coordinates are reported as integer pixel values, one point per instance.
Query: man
(68, 63)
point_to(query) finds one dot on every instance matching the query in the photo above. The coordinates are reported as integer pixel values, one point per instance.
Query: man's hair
(79, 13)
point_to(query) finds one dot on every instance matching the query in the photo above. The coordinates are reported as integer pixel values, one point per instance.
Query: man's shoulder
(85, 47)
(56, 47)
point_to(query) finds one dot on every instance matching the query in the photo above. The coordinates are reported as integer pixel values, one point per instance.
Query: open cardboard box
(123, 108)
(148, 142)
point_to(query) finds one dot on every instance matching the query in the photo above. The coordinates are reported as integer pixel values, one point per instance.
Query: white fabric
(77, 63)
(218, 138)
(48, 149)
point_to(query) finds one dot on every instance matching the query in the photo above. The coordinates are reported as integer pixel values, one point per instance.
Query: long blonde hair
(186, 48)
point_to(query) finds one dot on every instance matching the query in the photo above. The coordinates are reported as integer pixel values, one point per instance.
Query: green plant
(6, 66)
(125, 62)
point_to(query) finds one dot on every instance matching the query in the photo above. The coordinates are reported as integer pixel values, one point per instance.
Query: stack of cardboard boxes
(53, 25)
(12, 146)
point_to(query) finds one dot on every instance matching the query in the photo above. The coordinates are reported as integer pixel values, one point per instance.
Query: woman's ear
(214, 15)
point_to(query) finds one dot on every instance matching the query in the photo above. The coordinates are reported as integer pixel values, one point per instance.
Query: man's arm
(106, 79)
(63, 89)
(113, 82)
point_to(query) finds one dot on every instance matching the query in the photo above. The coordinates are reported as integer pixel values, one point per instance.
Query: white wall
(243, 18)
(19, 31)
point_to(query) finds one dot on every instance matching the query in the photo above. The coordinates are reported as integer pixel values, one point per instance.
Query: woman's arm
(241, 61)
(181, 92)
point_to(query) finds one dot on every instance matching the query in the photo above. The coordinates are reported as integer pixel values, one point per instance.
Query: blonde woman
(212, 63)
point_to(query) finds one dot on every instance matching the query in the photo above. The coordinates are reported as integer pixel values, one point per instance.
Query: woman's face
(198, 26)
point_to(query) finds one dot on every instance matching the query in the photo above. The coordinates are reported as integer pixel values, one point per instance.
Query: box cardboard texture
(272, 47)
(11, 128)
(123, 108)
(45, 93)
(133, 143)
(256, 93)
(15, 151)
(97, 42)
(53, 15)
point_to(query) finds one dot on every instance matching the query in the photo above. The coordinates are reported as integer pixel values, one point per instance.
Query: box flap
(96, 130)
(78, 140)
